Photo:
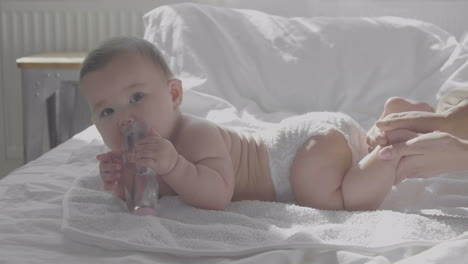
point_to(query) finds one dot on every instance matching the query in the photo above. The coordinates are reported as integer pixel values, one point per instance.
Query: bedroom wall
(35, 26)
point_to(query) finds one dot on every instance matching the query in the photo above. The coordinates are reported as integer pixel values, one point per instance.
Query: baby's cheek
(112, 141)
(110, 136)
(115, 144)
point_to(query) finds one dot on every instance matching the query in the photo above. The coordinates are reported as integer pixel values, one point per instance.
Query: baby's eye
(136, 97)
(107, 112)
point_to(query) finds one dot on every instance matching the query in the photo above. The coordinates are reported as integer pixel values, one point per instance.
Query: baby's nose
(126, 120)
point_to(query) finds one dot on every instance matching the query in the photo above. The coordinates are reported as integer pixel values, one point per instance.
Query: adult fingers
(400, 149)
(399, 135)
(421, 122)
(422, 144)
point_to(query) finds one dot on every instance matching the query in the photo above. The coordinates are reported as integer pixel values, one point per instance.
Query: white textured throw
(418, 212)
(240, 67)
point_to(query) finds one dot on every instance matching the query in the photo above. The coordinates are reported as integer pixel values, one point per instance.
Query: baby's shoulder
(196, 127)
(201, 135)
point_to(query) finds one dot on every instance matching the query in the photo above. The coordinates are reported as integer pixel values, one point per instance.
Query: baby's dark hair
(108, 49)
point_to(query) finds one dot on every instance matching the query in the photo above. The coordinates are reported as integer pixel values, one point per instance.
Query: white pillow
(265, 63)
(458, 61)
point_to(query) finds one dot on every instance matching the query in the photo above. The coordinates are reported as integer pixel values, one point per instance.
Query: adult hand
(376, 136)
(453, 120)
(427, 155)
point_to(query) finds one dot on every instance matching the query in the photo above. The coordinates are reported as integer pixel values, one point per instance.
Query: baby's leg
(367, 183)
(322, 175)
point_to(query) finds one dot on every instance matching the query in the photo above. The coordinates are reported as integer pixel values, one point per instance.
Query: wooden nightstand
(49, 85)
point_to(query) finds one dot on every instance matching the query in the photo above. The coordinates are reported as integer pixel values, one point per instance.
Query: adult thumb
(421, 122)
(399, 135)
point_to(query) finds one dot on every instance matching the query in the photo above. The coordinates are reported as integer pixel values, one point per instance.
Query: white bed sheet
(31, 216)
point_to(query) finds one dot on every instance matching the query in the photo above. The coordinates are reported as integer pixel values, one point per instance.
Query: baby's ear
(176, 90)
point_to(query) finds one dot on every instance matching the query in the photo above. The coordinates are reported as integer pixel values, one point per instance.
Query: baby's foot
(398, 105)
(375, 136)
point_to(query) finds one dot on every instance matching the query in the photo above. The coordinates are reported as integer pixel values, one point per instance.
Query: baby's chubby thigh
(318, 170)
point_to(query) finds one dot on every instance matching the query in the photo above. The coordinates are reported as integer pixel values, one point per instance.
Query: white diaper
(284, 139)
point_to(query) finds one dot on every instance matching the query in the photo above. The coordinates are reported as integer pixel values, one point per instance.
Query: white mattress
(31, 218)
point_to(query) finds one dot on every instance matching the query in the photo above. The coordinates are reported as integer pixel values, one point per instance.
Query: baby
(310, 160)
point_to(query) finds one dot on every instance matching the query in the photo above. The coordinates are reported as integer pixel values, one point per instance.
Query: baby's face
(127, 89)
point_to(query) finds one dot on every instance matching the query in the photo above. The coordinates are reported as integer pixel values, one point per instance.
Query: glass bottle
(141, 185)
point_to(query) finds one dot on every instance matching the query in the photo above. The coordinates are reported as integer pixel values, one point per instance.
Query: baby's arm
(203, 175)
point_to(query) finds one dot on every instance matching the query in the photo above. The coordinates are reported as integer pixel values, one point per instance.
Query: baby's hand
(110, 169)
(156, 152)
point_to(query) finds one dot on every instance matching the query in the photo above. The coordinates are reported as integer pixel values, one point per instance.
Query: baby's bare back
(252, 180)
(250, 161)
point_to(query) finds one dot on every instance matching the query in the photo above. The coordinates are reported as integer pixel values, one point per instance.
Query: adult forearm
(428, 155)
